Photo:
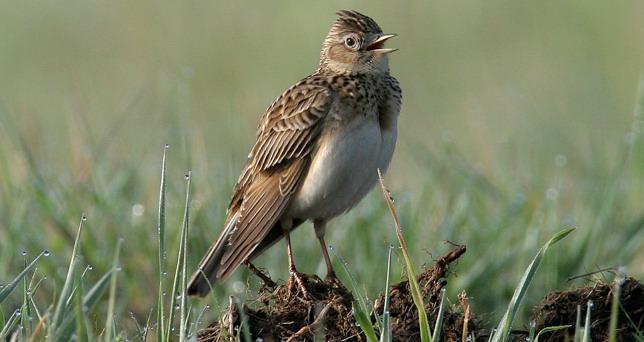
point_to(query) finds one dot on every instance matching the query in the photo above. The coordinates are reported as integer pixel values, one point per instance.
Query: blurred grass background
(518, 118)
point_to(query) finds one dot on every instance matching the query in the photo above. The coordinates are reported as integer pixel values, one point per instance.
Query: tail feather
(206, 274)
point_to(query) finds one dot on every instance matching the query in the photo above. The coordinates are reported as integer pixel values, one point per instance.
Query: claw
(296, 279)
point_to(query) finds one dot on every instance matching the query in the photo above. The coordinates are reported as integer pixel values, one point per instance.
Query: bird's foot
(297, 280)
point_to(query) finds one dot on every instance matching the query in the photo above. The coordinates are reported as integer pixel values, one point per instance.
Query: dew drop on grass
(46, 253)
(84, 218)
(178, 296)
(163, 294)
(17, 312)
(118, 269)
(561, 160)
(89, 267)
(167, 146)
(552, 194)
(24, 253)
(138, 210)
(177, 307)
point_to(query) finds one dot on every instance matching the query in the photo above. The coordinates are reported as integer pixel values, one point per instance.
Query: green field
(519, 119)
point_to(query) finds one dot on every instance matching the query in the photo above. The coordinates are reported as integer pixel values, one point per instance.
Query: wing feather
(274, 170)
(267, 200)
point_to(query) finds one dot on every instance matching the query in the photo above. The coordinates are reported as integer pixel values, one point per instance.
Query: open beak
(378, 44)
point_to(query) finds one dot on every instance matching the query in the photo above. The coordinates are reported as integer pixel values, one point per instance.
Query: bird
(319, 147)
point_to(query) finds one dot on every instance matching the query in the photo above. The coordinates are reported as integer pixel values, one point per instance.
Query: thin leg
(291, 264)
(320, 228)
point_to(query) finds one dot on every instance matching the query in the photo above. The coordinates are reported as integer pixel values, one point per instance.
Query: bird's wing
(276, 165)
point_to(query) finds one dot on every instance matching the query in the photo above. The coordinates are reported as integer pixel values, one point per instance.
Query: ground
(281, 313)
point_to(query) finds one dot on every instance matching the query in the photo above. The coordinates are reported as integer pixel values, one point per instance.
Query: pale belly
(343, 169)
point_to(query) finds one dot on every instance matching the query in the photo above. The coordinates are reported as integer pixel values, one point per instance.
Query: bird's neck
(375, 67)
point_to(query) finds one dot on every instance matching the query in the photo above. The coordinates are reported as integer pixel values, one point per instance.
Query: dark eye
(351, 42)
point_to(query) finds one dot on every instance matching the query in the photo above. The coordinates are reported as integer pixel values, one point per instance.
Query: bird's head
(355, 44)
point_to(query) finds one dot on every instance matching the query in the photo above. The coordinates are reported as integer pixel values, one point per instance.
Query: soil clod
(560, 308)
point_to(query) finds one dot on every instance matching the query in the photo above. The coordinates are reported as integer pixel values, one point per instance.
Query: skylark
(318, 149)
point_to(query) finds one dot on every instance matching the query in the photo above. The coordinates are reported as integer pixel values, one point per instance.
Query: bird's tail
(206, 274)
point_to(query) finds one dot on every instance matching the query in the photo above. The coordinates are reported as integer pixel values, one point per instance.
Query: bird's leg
(295, 275)
(320, 228)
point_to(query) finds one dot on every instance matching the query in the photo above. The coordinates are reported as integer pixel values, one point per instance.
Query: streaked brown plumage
(318, 149)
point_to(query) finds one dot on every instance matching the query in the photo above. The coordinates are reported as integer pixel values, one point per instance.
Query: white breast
(344, 168)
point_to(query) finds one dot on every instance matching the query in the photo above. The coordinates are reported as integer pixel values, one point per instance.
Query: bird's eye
(351, 42)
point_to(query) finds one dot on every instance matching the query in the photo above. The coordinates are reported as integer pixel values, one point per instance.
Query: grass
(518, 120)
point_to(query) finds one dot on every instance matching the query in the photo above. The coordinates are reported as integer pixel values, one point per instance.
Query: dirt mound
(560, 308)
(282, 313)
(404, 315)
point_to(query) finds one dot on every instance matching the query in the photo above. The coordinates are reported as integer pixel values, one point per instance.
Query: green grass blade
(614, 310)
(577, 325)
(90, 300)
(8, 327)
(531, 331)
(550, 329)
(92, 296)
(185, 310)
(423, 322)
(587, 323)
(503, 329)
(109, 320)
(161, 236)
(638, 335)
(26, 307)
(67, 287)
(7, 289)
(385, 334)
(360, 310)
(436, 336)
(180, 280)
(81, 329)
